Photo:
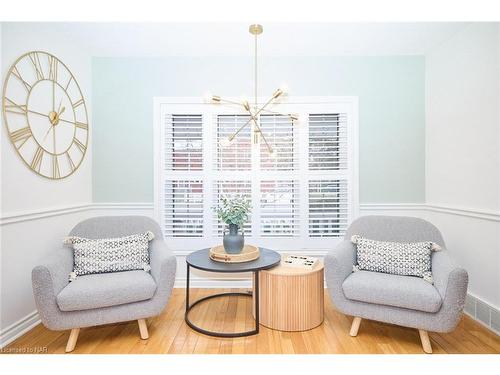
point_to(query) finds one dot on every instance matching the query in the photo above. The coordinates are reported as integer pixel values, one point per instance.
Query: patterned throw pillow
(110, 254)
(398, 258)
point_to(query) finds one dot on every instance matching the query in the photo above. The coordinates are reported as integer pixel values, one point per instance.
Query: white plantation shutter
(183, 142)
(279, 208)
(302, 199)
(183, 208)
(228, 189)
(237, 156)
(328, 209)
(279, 132)
(327, 141)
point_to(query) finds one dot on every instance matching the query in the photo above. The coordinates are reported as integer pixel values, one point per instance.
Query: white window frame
(300, 105)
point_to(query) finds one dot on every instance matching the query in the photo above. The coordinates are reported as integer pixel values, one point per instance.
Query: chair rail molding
(432, 207)
(462, 211)
(148, 208)
(20, 216)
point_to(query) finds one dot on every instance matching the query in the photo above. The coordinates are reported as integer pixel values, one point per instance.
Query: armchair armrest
(450, 280)
(163, 262)
(48, 280)
(338, 265)
(339, 261)
(54, 272)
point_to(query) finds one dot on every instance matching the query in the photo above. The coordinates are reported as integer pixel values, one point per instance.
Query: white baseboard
(482, 312)
(19, 328)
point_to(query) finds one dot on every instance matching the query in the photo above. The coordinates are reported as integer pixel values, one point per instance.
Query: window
(302, 199)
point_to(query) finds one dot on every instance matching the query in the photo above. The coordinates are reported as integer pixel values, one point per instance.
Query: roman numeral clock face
(45, 115)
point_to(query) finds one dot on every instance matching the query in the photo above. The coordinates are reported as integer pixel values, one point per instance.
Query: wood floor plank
(168, 333)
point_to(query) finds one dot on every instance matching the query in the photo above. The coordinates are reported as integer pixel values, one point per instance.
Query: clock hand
(68, 121)
(53, 96)
(62, 110)
(45, 136)
(44, 115)
(58, 108)
(37, 113)
(54, 138)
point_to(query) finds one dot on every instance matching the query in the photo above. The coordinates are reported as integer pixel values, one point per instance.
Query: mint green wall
(391, 114)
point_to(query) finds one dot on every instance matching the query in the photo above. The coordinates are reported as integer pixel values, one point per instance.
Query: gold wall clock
(45, 115)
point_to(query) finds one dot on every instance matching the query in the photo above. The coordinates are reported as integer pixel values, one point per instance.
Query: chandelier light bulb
(226, 142)
(277, 94)
(207, 97)
(256, 137)
(284, 89)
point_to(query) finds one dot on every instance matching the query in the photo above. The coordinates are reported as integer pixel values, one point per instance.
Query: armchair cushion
(107, 289)
(392, 290)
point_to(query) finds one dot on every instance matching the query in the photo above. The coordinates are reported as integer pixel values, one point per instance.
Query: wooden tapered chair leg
(73, 337)
(143, 329)
(355, 326)
(426, 342)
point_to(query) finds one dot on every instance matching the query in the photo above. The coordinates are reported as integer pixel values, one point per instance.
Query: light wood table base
(291, 299)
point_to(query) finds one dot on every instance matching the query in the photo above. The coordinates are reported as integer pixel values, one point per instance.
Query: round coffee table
(200, 260)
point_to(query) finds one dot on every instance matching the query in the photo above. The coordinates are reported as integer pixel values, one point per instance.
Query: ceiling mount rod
(255, 30)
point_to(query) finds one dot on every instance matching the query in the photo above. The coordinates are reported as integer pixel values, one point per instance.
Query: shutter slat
(279, 132)
(237, 156)
(279, 208)
(183, 208)
(184, 142)
(328, 141)
(328, 208)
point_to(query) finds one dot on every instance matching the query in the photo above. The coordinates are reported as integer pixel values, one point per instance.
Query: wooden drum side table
(292, 299)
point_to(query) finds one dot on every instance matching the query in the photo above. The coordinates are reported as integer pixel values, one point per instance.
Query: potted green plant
(234, 211)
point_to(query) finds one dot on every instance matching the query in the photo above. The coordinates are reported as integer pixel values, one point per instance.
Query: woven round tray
(248, 254)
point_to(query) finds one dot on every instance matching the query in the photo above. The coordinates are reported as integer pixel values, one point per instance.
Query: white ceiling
(233, 39)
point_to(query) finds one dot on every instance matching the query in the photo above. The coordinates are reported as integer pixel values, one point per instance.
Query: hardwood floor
(169, 334)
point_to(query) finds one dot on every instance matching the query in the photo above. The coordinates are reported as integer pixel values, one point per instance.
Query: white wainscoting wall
(29, 237)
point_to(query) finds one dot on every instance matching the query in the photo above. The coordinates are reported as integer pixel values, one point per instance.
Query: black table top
(201, 260)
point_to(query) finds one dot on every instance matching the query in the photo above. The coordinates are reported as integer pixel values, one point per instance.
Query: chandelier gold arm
(218, 99)
(231, 137)
(292, 116)
(259, 130)
(246, 106)
(264, 106)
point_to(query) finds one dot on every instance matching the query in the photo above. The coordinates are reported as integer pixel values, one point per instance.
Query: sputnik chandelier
(254, 111)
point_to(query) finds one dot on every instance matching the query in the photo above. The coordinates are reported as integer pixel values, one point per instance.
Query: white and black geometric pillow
(110, 254)
(398, 258)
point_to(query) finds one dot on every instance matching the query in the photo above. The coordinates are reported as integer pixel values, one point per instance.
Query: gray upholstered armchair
(402, 300)
(97, 299)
